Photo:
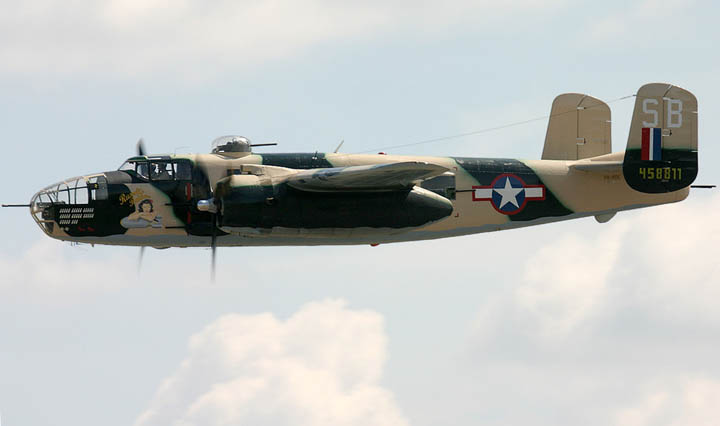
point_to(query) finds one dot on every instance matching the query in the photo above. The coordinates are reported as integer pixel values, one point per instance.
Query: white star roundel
(508, 194)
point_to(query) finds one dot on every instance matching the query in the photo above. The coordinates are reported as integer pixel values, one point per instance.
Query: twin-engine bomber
(234, 197)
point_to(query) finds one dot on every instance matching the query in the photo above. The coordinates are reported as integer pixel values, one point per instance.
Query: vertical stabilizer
(661, 153)
(579, 127)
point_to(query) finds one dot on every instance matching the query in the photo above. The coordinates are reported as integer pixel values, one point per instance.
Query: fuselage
(153, 201)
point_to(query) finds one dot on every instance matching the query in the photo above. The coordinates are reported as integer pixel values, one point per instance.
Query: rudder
(661, 154)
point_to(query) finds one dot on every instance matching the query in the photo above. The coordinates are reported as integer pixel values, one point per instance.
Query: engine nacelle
(249, 201)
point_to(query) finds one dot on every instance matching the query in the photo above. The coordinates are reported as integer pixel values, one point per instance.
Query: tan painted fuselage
(338, 199)
(598, 192)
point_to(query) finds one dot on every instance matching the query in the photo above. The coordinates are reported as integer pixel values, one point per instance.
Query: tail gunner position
(233, 197)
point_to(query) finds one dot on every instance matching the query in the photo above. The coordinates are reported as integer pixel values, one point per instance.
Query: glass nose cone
(62, 205)
(42, 208)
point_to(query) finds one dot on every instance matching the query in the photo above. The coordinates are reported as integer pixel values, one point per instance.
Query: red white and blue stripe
(651, 144)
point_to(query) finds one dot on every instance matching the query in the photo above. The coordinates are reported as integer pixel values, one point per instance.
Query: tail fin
(661, 154)
(579, 127)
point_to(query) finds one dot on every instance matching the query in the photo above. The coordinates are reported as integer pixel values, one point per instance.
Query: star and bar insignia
(508, 194)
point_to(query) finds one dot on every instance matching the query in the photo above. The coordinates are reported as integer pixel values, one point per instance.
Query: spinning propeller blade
(213, 247)
(140, 147)
(140, 258)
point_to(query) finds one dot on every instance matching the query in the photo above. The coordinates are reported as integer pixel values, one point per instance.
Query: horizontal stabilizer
(598, 166)
(579, 127)
(383, 177)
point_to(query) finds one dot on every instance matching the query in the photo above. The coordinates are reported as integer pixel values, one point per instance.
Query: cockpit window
(127, 166)
(161, 170)
(142, 170)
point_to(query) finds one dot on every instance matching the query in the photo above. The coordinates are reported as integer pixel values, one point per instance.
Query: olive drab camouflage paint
(233, 197)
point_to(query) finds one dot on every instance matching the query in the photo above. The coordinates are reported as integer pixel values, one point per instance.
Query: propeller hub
(207, 205)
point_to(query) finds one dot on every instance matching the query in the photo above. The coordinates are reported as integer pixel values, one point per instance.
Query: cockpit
(158, 169)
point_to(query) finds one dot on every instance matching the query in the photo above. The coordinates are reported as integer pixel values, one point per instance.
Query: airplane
(235, 197)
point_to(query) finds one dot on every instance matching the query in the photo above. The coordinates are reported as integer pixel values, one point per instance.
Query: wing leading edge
(380, 177)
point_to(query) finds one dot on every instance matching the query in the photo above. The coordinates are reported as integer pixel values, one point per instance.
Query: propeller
(211, 206)
(140, 147)
(140, 258)
(213, 248)
(213, 239)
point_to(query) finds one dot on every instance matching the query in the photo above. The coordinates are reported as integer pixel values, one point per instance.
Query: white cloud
(59, 273)
(50, 271)
(607, 324)
(675, 403)
(659, 263)
(566, 281)
(191, 39)
(675, 263)
(321, 366)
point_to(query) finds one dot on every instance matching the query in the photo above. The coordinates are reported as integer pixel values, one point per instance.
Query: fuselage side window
(102, 189)
(98, 188)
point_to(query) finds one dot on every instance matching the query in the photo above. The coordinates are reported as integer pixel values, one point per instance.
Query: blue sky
(574, 322)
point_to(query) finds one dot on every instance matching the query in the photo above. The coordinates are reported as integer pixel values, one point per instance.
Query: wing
(379, 177)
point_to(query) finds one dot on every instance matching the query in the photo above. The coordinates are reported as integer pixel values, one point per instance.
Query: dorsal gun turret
(234, 146)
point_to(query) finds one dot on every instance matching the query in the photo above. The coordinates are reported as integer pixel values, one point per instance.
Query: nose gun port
(42, 212)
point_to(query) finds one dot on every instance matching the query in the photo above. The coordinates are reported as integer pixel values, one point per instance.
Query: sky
(568, 323)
